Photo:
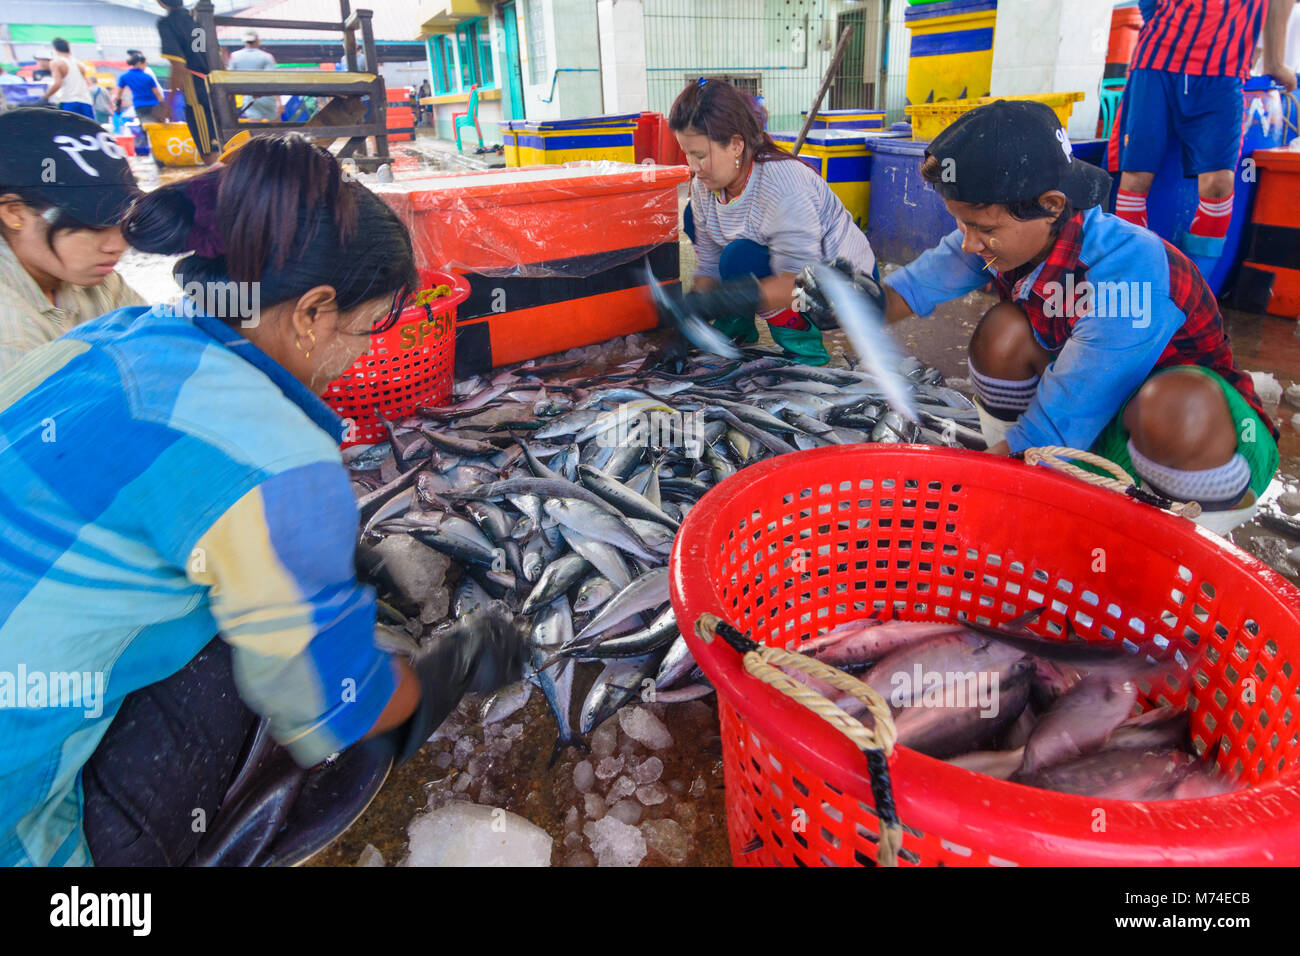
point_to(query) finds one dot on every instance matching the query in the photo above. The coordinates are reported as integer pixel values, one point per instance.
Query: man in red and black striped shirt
(1186, 81)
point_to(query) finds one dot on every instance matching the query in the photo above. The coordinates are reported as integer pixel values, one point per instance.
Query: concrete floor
(521, 779)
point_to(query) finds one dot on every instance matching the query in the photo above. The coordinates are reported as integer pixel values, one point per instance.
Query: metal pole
(840, 49)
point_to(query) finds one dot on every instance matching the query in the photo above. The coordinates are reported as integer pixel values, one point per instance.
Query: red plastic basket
(411, 364)
(794, 546)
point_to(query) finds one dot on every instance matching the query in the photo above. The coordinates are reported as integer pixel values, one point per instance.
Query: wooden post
(840, 49)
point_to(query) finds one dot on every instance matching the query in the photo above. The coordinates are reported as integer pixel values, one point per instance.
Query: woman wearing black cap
(64, 185)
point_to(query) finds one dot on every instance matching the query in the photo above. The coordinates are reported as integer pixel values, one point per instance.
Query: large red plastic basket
(793, 546)
(411, 364)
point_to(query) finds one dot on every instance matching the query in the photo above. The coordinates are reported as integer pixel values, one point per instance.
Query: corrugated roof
(392, 21)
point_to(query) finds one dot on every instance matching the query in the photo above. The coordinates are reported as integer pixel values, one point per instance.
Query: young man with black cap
(1106, 338)
(64, 184)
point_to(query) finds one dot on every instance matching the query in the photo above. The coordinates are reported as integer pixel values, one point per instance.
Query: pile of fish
(559, 497)
(1012, 705)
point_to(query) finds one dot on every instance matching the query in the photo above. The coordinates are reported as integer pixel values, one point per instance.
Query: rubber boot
(740, 328)
(1222, 523)
(993, 429)
(802, 345)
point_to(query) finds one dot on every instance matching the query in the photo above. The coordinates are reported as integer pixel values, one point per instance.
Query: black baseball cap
(1012, 150)
(68, 161)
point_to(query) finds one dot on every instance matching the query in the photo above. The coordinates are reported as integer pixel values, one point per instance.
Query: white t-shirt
(786, 207)
(74, 88)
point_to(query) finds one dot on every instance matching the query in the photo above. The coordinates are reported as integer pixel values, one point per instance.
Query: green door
(514, 89)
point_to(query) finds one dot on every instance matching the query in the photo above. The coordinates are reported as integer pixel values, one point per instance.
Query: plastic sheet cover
(572, 221)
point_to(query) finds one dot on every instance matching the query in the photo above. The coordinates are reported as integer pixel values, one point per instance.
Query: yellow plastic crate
(930, 119)
(950, 53)
(172, 144)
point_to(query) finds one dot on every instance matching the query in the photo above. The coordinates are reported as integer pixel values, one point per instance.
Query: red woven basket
(794, 546)
(411, 364)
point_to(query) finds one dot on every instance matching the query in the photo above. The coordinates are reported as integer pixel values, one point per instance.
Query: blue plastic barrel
(905, 217)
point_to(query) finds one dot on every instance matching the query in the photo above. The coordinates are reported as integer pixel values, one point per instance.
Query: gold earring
(737, 162)
(306, 353)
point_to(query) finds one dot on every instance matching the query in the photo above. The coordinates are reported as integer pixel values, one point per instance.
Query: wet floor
(507, 764)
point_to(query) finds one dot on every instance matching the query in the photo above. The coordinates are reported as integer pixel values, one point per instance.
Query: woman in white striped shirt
(755, 220)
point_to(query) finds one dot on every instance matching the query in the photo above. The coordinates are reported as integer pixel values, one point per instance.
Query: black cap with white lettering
(1014, 150)
(68, 161)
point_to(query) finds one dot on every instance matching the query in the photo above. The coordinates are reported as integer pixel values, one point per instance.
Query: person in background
(1185, 82)
(207, 574)
(1290, 46)
(757, 216)
(146, 95)
(422, 112)
(253, 57)
(144, 65)
(7, 77)
(1106, 337)
(177, 31)
(59, 240)
(100, 100)
(69, 84)
(42, 70)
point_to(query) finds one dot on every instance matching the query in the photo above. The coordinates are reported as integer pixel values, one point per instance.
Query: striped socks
(1003, 398)
(1212, 218)
(1215, 489)
(1132, 207)
(1207, 234)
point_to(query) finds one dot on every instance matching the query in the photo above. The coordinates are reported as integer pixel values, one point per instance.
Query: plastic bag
(572, 221)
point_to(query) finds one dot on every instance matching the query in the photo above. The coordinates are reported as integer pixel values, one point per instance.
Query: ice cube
(593, 804)
(622, 787)
(629, 811)
(1267, 388)
(370, 857)
(668, 838)
(615, 843)
(584, 776)
(643, 726)
(609, 767)
(649, 771)
(464, 834)
(604, 739)
(652, 794)
(698, 786)
(571, 819)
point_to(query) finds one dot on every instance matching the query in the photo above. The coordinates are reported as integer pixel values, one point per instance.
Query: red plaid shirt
(1201, 341)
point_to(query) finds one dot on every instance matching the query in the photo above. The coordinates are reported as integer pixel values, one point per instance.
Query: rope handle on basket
(876, 742)
(1055, 456)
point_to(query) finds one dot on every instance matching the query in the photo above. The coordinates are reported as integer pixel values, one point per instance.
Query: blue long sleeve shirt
(1147, 308)
(162, 480)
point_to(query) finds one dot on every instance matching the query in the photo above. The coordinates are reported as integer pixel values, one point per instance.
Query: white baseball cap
(250, 35)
